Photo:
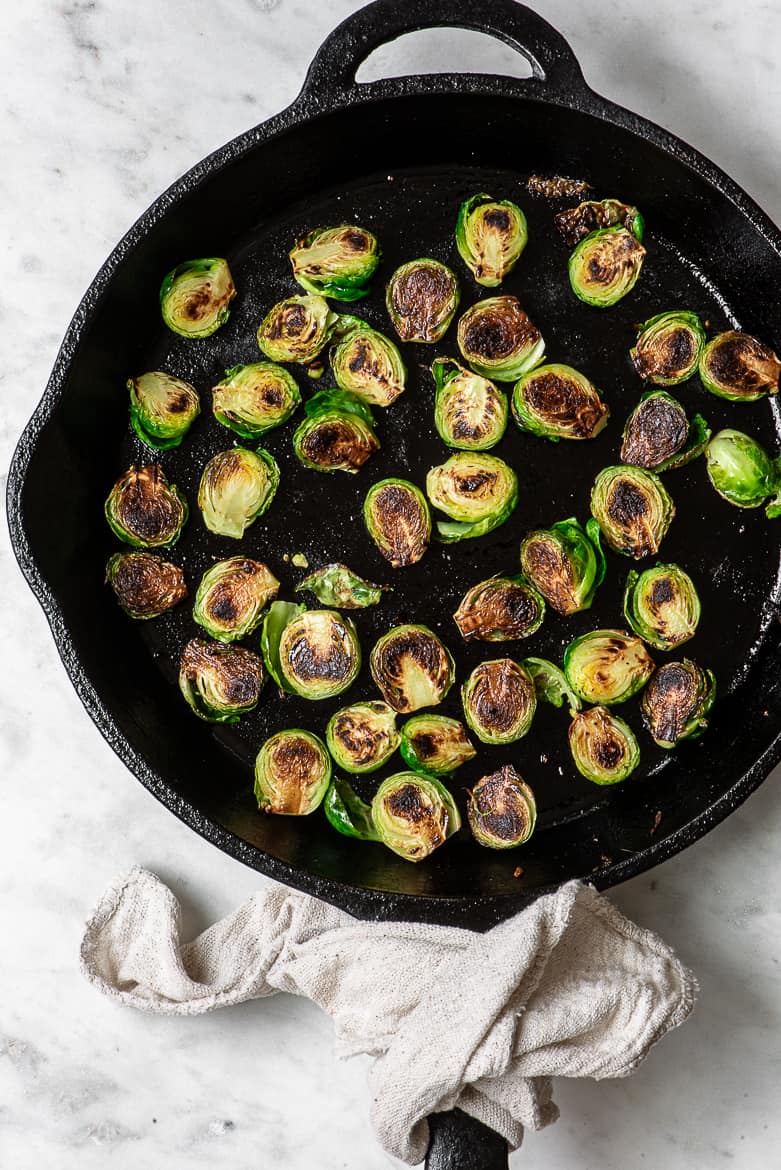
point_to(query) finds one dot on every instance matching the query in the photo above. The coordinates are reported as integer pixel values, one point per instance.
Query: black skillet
(398, 156)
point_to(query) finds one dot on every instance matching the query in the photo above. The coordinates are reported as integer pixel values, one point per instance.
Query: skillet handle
(332, 72)
(460, 1142)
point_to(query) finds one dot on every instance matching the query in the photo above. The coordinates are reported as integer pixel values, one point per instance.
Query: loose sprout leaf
(339, 586)
(576, 223)
(347, 813)
(278, 615)
(550, 684)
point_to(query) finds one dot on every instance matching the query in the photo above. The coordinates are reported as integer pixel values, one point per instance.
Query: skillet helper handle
(460, 1142)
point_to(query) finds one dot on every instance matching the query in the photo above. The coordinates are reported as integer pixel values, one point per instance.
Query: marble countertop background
(103, 105)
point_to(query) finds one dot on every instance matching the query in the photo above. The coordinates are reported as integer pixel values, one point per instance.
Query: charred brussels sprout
(605, 266)
(412, 668)
(676, 702)
(499, 700)
(232, 596)
(336, 262)
(502, 810)
(397, 516)
(194, 297)
(413, 815)
(491, 234)
(362, 737)
(435, 744)
(477, 491)
(741, 471)
(162, 409)
(557, 402)
(550, 684)
(144, 510)
(422, 298)
(312, 653)
(145, 585)
(469, 412)
(736, 366)
(604, 747)
(499, 340)
(607, 666)
(292, 773)
(340, 587)
(633, 508)
(668, 347)
(220, 683)
(252, 399)
(236, 487)
(565, 563)
(368, 364)
(500, 610)
(658, 435)
(662, 606)
(296, 329)
(576, 223)
(337, 433)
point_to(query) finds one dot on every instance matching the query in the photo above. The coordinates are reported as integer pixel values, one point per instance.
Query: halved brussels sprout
(741, 470)
(368, 364)
(676, 702)
(576, 223)
(363, 736)
(336, 262)
(499, 700)
(347, 813)
(422, 299)
(145, 585)
(491, 234)
(232, 596)
(470, 413)
(500, 610)
(565, 563)
(397, 516)
(604, 747)
(435, 745)
(607, 666)
(236, 487)
(633, 508)
(557, 402)
(313, 653)
(412, 668)
(738, 367)
(252, 399)
(658, 435)
(502, 810)
(662, 606)
(162, 408)
(413, 815)
(297, 329)
(220, 683)
(338, 586)
(550, 684)
(292, 773)
(144, 510)
(194, 297)
(478, 491)
(337, 433)
(499, 340)
(668, 347)
(605, 266)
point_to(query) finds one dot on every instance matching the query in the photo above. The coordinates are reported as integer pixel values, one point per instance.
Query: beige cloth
(568, 987)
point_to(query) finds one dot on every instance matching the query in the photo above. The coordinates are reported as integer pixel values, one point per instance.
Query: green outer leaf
(347, 813)
(278, 615)
(773, 509)
(338, 586)
(550, 684)
(580, 260)
(330, 401)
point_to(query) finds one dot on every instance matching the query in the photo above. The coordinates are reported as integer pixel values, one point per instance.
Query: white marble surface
(103, 105)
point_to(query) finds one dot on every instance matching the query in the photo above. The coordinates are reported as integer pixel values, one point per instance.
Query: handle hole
(443, 50)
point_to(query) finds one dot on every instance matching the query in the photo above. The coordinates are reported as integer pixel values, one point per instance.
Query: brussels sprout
(144, 510)
(236, 487)
(362, 737)
(607, 666)
(604, 747)
(412, 668)
(337, 433)
(576, 223)
(338, 586)
(478, 491)
(422, 299)
(220, 683)
(297, 329)
(397, 517)
(145, 585)
(605, 266)
(347, 813)
(557, 402)
(252, 399)
(368, 364)
(162, 409)
(312, 653)
(232, 596)
(498, 339)
(668, 347)
(741, 470)
(550, 684)
(469, 412)
(676, 702)
(413, 815)
(499, 701)
(435, 745)
(502, 810)
(662, 606)
(194, 297)
(738, 367)
(500, 610)
(565, 563)
(292, 773)
(336, 262)
(633, 508)
(658, 435)
(490, 236)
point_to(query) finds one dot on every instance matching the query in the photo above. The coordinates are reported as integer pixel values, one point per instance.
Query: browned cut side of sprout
(145, 585)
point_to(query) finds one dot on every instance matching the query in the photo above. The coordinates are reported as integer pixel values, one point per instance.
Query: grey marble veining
(103, 105)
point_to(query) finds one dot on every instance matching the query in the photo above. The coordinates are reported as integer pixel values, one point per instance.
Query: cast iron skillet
(398, 156)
